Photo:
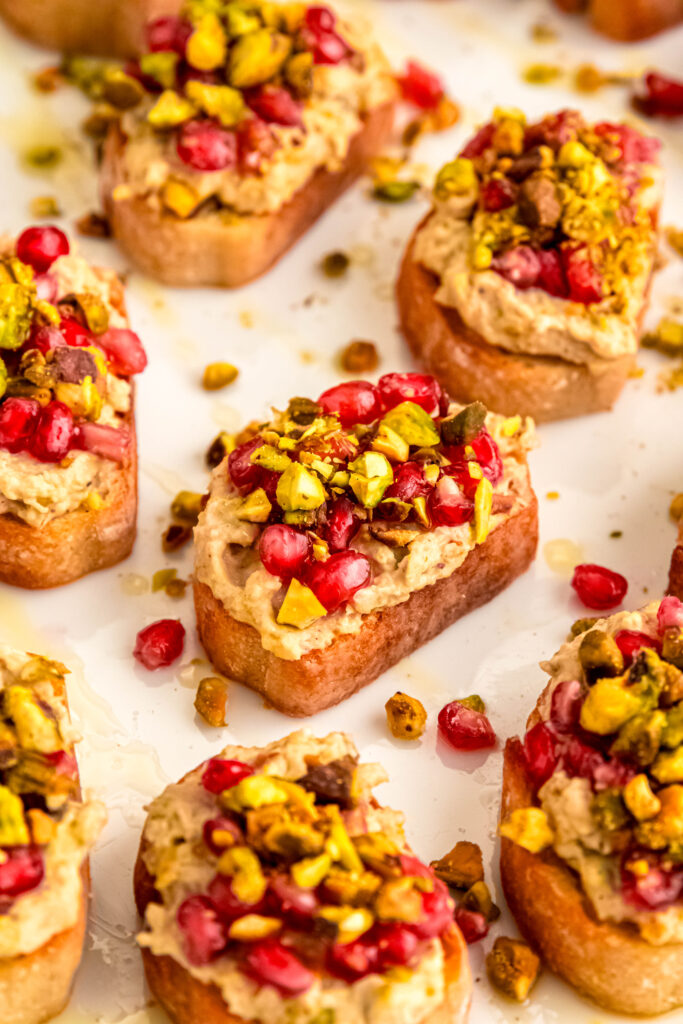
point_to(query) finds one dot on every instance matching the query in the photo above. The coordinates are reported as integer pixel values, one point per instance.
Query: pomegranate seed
(630, 641)
(355, 402)
(321, 38)
(353, 961)
(275, 105)
(123, 350)
(271, 963)
(168, 34)
(22, 871)
(220, 774)
(487, 454)
(47, 287)
(64, 763)
(409, 482)
(634, 148)
(613, 773)
(412, 866)
(479, 142)
(669, 613)
(341, 524)
(552, 279)
(565, 705)
(75, 334)
(228, 905)
(243, 472)
(18, 418)
(539, 753)
(45, 339)
(447, 504)
(205, 146)
(437, 907)
(255, 145)
(396, 945)
(421, 87)
(215, 825)
(39, 247)
(320, 19)
(107, 442)
(498, 194)
(520, 266)
(599, 588)
(52, 435)
(284, 551)
(656, 890)
(472, 924)
(290, 901)
(663, 96)
(554, 130)
(584, 280)
(335, 581)
(420, 388)
(464, 728)
(204, 935)
(159, 644)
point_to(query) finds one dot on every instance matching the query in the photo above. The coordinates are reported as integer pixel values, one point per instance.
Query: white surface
(613, 472)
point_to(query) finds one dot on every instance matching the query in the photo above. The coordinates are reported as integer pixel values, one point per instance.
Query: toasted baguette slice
(628, 20)
(325, 677)
(609, 963)
(219, 250)
(77, 543)
(469, 368)
(107, 27)
(676, 571)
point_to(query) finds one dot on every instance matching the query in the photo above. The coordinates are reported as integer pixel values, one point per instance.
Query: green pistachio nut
(608, 810)
(161, 66)
(399, 900)
(309, 873)
(186, 506)
(239, 21)
(253, 927)
(413, 424)
(257, 57)
(299, 490)
(207, 47)
(300, 608)
(574, 154)
(255, 508)
(170, 110)
(395, 191)
(341, 848)
(270, 458)
(35, 729)
(253, 792)
(94, 310)
(457, 178)
(608, 706)
(243, 867)
(672, 646)
(641, 737)
(219, 101)
(668, 767)
(672, 734)
(298, 72)
(474, 702)
(16, 314)
(465, 425)
(83, 399)
(349, 922)
(13, 828)
(599, 655)
(389, 443)
(371, 474)
(123, 91)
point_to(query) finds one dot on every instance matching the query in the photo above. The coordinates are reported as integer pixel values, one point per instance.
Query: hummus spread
(55, 905)
(173, 833)
(228, 564)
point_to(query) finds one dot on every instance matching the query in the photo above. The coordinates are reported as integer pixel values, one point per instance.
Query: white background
(614, 471)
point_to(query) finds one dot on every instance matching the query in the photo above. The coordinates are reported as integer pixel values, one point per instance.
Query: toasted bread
(212, 249)
(469, 368)
(628, 20)
(609, 963)
(676, 571)
(325, 677)
(108, 27)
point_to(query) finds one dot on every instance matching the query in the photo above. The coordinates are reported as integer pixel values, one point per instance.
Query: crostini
(592, 815)
(628, 20)
(526, 285)
(274, 889)
(345, 533)
(107, 27)
(46, 832)
(251, 123)
(68, 461)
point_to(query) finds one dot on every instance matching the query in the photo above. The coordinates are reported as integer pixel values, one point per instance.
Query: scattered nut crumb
(93, 225)
(47, 79)
(175, 537)
(45, 207)
(221, 446)
(671, 380)
(541, 74)
(335, 264)
(162, 578)
(186, 506)
(552, 495)
(636, 372)
(616, 534)
(512, 967)
(219, 375)
(588, 78)
(360, 357)
(462, 867)
(406, 716)
(43, 157)
(676, 508)
(211, 701)
(542, 32)
(176, 588)
(666, 338)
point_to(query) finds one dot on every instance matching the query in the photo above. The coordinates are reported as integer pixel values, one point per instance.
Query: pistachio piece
(35, 728)
(512, 967)
(298, 73)
(341, 849)
(45, 208)
(186, 506)
(220, 101)
(309, 873)
(43, 827)
(162, 578)
(253, 792)
(640, 800)
(672, 733)
(528, 827)
(608, 810)
(291, 839)
(3, 378)
(599, 655)
(125, 92)
(478, 898)
(608, 706)
(395, 191)
(349, 923)
(359, 357)
(211, 700)
(16, 314)
(218, 375)
(391, 444)
(207, 47)
(13, 828)
(253, 927)
(241, 864)
(161, 66)
(300, 608)
(371, 474)
(255, 508)
(399, 900)
(220, 447)
(175, 537)
(668, 767)
(378, 853)
(581, 626)
(465, 425)
(170, 110)
(641, 737)
(413, 424)
(332, 783)
(406, 717)
(672, 646)
(303, 411)
(457, 178)
(299, 490)
(474, 702)
(463, 867)
(335, 264)
(9, 746)
(180, 198)
(270, 458)
(239, 20)
(257, 57)
(483, 502)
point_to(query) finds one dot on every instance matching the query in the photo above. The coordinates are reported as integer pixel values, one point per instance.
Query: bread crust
(325, 677)
(106, 27)
(609, 963)
(209, 250)
(468, 367)
(676, 571)
(629, 20)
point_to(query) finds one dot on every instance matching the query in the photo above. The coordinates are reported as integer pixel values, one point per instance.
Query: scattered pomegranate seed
(630, 641)
(498, 194)
(472, 924)
(421, 87)
(206, 146)
(275, 105)
(220, 774)
(464, 728)
(22, 871)
(409, 482)
(335, 581)
(341, 524)
(271, 963)
(159, 644)
(669, 613)
(100, 439)
(599, 588)
(123, 350)
(447, 504)
(75, 334)
(53, 433)
(284, 551)
(355, 402)
(204, 935)
(520, 266)
(539, 753)
(565, 705)
(168, 34)
(229, 906)
(584, 280)
(420, 388)
(18, 418)
(39, 247)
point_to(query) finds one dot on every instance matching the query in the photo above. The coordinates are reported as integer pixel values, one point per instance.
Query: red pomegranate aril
(599, 588)
(437, 908)
(396, 945)
(552, 279)
(168, 33)
(613, 772)
(23, 870)
(204, 934)
(656, 890)
(320, 36)
(100, 439)
(487, 454)
(214, 827)
(123, 350)
(584, 280)
(565, 705)
(243, 472)
(47, 287)
(420, 86)
(75, 334)
(420, 388)
(409, 482)
(220, 774)
(479, 142)
(320, 19)
(255, 144)
(45, 339)
(291, 901)
(64, 763)
(284, 551)
(159, 644)
(335, 581)
(539, 753)
(341, 524)
(205, 146)
(520, 266)
(39, 247)
(666, 92)
(276, 106)
(669, 613)
(497, 194)
(411, 865)
(271, 963)
(472, 924)
(630, 641)
(355, 402)
(464, 728)
(354, 960)
(18, 418)
(228, 905)
(447, 504)
(52, 435)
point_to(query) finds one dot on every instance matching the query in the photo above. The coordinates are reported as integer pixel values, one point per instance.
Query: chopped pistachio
(529, 828)
(672, 646)
(45, 207)
(180, 198)
(640, 800)
(608, 706)
(395, 191)
(599, 655)
(478, 898)
(359, 357)
(608, 810)
(349, 922)
(176, 588)
(309, 873)
(162, 578)
(457, 178)
(406, 716)
(413, 424)
(125, 92)
(43, 827)
(270, 458)
(161, 66)
(462, 867)
(219, 375)
(207, 46)
(36, 730)
(13, 828)
(512, 967)
(186, 506)
(242, 865)
(253, 792)
(257, 57)
(298, 72)
(667, 338)
(170, 109)
(641, 737)
(379, 853)
(581, 626)
(253, 927)
(676, 508)
(93, 225)
(391, 444)
(221, 446)
(668, 767)
(465, 425)
(218, 101)
(300, 608)
(43, 156)
(299, 490)
(238, 21)
(483, 501)
(335, 264)
(255, 508)
(474, 702)
(211, 701)
(399, 900)
(341, 848)
(175, 537)
(541, 74)
(371, 474)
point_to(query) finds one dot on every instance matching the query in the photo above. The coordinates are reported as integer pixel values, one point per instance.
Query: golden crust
(207, 250)
(545, 387)
(609, 963)
(629, 20)
(325, 677)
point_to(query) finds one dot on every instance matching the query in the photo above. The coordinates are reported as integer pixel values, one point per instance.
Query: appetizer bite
(251, 122)
(68, 461)
(592, 817)
(343, 534)
(628, 20)
(106, 27)
(275, 889)
(46, 832)
(526, 285)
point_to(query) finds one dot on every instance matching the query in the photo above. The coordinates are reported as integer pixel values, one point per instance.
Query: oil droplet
(190, 674)
(362, 255)
(562, 556)
(246, 318)
(133, 584)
